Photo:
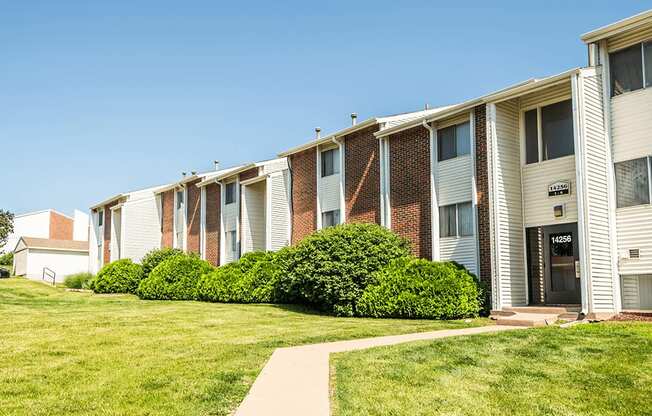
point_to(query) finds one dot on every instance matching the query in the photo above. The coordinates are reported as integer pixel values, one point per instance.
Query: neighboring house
(336, 178)
(127, 225)
(251, 212)
(49, 259)
(49, 224)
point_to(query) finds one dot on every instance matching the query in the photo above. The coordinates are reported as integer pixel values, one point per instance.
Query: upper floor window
(631, 68)
(330, 162)
(100, 218)
(179, 200)
(456, 220)
(330, 218)
(633, 182)
(229, 193)
(549, 132)
(454, 141)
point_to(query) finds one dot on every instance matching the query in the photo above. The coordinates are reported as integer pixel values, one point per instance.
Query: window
(179, 199)
(647, 53)
(229, 193)
(531, 137)
(100, 218)
(557, 130)
(233, 241)
(453, 141)
(330, 218)
(626, 67)
(330, 162)
(632, 182)
(555, 137)
(456, 220)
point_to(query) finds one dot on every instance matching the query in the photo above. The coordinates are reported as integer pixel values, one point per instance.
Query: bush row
(347, 270)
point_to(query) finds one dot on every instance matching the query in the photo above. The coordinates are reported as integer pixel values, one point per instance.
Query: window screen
(330, 162)
(626, 67)
(330, 218)
(229, 193)
(647, 53)
(632, 183)
(557, 130)
(463, 138)
(465, 218)
(100, 218)
(446, 143)
(531, 137)
(447, 221)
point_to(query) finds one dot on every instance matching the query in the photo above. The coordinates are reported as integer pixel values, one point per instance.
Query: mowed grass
(77, 353)
(593, 369)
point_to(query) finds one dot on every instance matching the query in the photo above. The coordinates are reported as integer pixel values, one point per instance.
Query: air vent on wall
(634, 253)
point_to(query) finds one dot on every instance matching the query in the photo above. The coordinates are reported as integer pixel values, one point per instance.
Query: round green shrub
(154, 257)
(248, 280)
(174, 278)
(331, 268)
(78, 280)
(418, 288)
(121, 276)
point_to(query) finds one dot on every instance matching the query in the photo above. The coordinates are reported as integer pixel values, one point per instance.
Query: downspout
(434, 206)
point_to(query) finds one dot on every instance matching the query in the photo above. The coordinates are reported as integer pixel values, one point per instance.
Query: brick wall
(409, 161)
(167, 222)
(107, 231)
(482, 185)
(213, 198)
(193, 195)
(304, 194)
(362, 176)
(60, 227)
(248, 174)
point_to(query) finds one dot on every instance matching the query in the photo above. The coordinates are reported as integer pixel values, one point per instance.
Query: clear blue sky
(96, 99)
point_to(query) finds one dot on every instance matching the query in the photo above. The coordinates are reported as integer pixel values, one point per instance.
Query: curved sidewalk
(295, 380)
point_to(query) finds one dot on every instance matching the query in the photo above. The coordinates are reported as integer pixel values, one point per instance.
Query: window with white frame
(631, 68)
(233, 241)
(633, 182)
(100, 218)
(549, 132)
(330, 218)
(179, 218)
(330, 162)
(454, 141)
(229, 193)
(456, 220)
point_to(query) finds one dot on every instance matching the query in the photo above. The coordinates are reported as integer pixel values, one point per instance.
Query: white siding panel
(20, 263)
(454, 180)
(508, 227)
(461, 250)
(631, 125)
(634, 225)
(142, 227)
(536, 179)
(629, 38)
(253, 217)
(276, 165)
(329, 193)
(555, 93)
(280, 210)
(597, 214)
(62, 263)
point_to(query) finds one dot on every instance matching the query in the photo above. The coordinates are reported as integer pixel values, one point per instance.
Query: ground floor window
(330, 218)
(456, 220)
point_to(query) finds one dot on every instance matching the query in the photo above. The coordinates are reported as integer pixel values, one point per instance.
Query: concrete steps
(535, 316)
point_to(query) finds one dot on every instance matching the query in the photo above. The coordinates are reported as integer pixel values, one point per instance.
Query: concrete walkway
(295, 380)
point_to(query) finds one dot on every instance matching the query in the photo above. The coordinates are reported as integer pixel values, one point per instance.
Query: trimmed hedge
(418, 288)
(121, 276)
(332, 267)
(248, 280)
(79, 281)
(154, 257)
(174, 278)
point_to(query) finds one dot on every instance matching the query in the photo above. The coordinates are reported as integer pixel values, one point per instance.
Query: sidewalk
(295, 380)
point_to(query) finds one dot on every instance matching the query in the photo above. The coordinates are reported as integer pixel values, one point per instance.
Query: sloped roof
(51, 244)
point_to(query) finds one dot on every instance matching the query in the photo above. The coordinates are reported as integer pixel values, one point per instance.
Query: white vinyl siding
(631, 125)
(461, 250)
(116, 234)
(230, 223)
(507, 209)
(629, 38)
(329, 193)
(454, 180)
(634, 225)
(141, 227)
(253, 217)
(538, 206)
(31, 261)
(593, 164)
(280, 209)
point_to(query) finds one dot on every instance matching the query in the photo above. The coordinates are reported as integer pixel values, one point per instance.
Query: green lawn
(78, 353)
(593, 369)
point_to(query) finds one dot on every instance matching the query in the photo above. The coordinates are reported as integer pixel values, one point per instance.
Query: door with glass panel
(561, 264)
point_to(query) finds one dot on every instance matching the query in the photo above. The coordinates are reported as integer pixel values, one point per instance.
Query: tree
(6, 226)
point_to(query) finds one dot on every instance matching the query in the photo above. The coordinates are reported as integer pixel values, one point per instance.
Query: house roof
(117, 197)
(384, 121)
(51, 244)
(525, 87)
(630, 23)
